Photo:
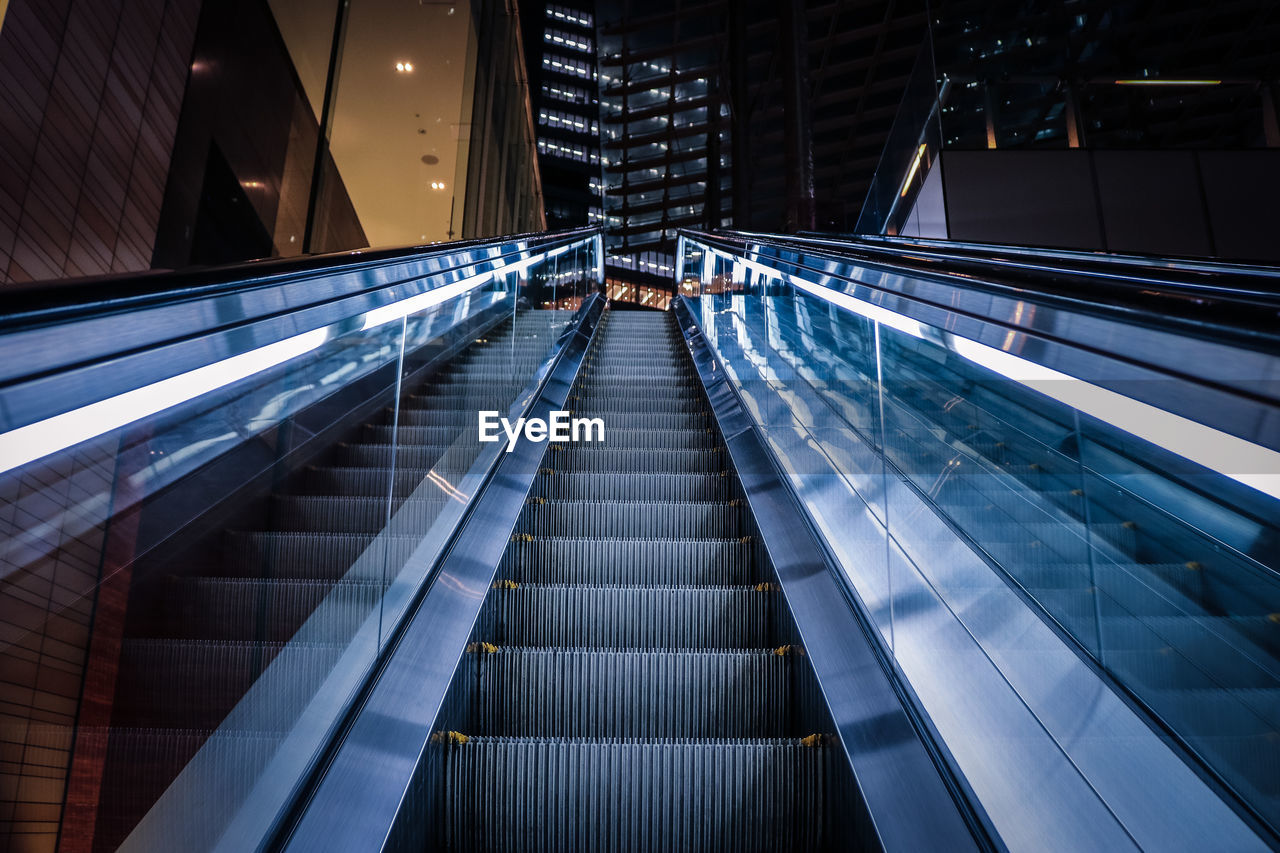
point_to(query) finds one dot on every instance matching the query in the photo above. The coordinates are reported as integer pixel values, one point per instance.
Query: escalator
(827, 581)
(210, 622)
(631, 691)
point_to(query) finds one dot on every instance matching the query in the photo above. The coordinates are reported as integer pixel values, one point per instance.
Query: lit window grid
(578, 17)
(563, 39)
(567, 94)
(577, 153)
(564, 121)
(572, 67)
(640, 294)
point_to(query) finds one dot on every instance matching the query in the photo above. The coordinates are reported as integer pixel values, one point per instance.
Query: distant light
(252, 185)
(1167, 82)
(437, 185)
(915, 167)
(404, 67)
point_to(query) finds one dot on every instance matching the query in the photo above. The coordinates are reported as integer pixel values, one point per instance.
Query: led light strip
(1243, 461)
(35, 441)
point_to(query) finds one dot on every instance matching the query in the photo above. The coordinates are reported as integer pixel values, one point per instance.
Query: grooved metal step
(673, 488)
(625, 692)
(611, 693)
(586, 457)
(341, 514)
(629, 617)
(634, 520)
(538, 794)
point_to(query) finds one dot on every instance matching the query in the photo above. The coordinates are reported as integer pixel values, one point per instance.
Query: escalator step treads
(410, 456)
(633, 520)
(474, 398)
(142, 762)
(342, 514)
(650, 420)
(635, 393)
(612, 693)
(408, 434)
(194, 683)
(628, 617)
(619, 436)
(270, 610)
(598, 381)
(630, 562)
(629, 406)
(585, 457)
(606, 373)
(677, 488)
(368, 481)
(460, 417)
(322, 556)
(606, 363)
(499, 394)
(527, 794)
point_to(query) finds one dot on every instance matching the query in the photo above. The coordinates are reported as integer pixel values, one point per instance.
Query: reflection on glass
(192, 599)
(1162, 570)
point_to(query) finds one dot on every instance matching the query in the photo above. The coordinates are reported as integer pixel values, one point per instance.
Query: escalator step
(169, 683)
(267, 610)
(452, 456)
(628, 406)
(609, 693)
(355, 514)
(674, 488)
(659, 421)
(366, 481)
(633, 520)
(629, 617)
(435, 435)
(518, 794)
(323, 556)
(584, 457)
(630, 562)
(647, 439)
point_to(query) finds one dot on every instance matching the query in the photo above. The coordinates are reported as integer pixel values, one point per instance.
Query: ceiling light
(1167, 82)
(404, 67)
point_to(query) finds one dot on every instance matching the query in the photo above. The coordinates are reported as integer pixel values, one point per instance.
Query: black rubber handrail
(1236, 302)
(77, 297)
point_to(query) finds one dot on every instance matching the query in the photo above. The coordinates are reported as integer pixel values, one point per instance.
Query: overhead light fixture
(1158, 81)
(404, 67)
(915, 167)
(437, 185)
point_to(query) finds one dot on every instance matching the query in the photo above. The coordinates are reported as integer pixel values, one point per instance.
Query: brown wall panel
(94, 84)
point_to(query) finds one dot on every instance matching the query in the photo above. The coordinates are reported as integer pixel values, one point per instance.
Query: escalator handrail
(1192, 271)
(1210, 379)
(77, 363)
(331, 780)
(1240, 303)
(43, 302)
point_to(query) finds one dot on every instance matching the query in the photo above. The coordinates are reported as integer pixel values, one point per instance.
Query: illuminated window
(563, 39)
(572, 67)
(570, 16)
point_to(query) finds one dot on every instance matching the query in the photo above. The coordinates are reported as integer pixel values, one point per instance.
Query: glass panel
(944, 486)
(201, 568)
